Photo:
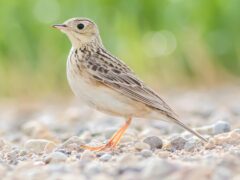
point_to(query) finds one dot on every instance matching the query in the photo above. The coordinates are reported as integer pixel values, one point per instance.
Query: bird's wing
(115, 74)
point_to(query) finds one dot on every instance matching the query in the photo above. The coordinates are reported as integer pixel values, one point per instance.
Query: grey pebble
(218, 127)
(146, 153)
(154, 142)
(105, 157)
(72, 140)
(55, 157)
(141, 145)
(177, 143)
(190, 145)
(221, 127)
(36, 145)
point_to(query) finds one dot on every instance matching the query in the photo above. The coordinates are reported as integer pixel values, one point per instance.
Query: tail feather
(187, 128)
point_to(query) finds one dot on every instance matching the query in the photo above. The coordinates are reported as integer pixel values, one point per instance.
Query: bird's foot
(113, 142)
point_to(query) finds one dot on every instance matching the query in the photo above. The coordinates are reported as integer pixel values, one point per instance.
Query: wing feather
(116, 75)
(125, 82)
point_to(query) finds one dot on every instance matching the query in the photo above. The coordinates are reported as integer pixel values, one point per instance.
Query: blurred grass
(167, 42)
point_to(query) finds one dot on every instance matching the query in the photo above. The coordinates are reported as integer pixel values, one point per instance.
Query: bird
(104, 82)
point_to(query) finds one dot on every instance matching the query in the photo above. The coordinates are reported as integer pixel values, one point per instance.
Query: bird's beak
(59, 26)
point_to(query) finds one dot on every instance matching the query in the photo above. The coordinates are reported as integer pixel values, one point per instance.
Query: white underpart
(101, 98)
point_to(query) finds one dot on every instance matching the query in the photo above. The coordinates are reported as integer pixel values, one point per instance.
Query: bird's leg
(113, 141)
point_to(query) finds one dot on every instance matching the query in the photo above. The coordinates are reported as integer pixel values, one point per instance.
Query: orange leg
(113, 141)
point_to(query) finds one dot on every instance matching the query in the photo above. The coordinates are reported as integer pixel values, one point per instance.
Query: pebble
(141, 145)
(177, 143)
(217, 128)
(221, 127)
(154, 142)
(73, 143)
(50, 147)
(190, 145)
(55, 157)
(146, 153)
(141, 154)
(232, 138)
(163, 154)
(105, 157)
(210, 144)
(12, 155)
(37, 145)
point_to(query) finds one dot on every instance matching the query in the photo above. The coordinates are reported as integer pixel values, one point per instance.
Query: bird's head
(80, 31)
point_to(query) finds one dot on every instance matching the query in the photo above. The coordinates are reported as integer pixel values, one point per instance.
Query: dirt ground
(42, 139)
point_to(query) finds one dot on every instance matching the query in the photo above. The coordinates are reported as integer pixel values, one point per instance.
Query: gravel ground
(41, 140)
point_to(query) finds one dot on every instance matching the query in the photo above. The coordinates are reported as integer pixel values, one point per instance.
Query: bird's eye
(80, 26)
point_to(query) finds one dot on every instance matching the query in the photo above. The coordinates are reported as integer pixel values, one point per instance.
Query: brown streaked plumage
(106, 83)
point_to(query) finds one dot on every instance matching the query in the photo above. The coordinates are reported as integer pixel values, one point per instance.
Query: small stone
(12, 155)
(221, 127)
(105, 157)
(217, 128)
(163, 154)
(154, 142)
(177, 143)
(55, 157)
(190, 145)
(22, 152)
(73, 140)
(36, 145)
(210, 144)
(146, 153)
(73, 143)
(141, 145)
(232, 138)
(50, 147)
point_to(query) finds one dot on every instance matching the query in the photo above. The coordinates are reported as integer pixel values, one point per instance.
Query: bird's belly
(104, 98)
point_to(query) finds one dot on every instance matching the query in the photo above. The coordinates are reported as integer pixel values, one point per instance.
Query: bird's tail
(187, 128)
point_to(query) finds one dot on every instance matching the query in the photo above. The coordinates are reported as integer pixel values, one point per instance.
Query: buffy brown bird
(104, 82)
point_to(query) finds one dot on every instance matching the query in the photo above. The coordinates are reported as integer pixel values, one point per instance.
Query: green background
(167, 42)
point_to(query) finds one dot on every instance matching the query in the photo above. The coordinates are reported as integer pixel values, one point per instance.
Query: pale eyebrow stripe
(83, 20)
